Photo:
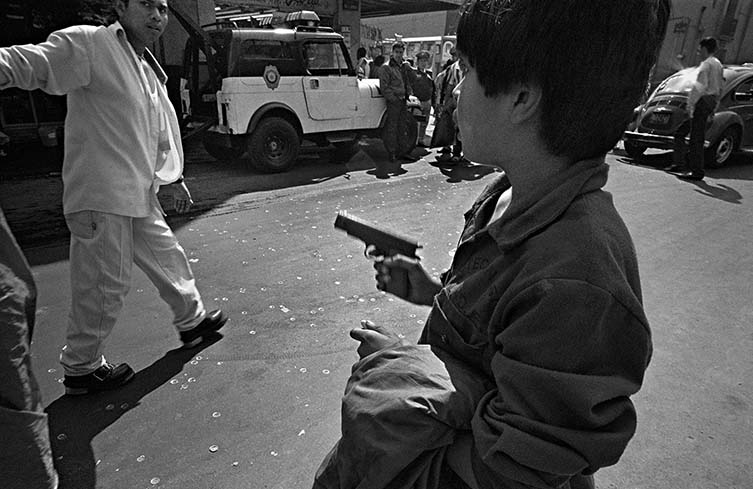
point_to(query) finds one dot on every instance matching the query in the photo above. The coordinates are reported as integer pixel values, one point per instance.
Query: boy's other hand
(373, 338)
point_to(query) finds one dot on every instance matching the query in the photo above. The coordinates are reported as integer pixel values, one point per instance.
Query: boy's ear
(525, 103)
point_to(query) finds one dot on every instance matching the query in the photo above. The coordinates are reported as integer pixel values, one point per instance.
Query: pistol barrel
(386, 242)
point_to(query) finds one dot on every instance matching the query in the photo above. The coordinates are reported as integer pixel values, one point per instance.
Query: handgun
(380, 243)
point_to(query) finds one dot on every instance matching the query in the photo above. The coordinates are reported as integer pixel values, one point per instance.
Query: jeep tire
(273, 146)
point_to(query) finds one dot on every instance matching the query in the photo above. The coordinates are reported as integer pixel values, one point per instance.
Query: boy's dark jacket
(534, 345)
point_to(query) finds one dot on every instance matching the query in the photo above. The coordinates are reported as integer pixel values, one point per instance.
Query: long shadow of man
(74, 421)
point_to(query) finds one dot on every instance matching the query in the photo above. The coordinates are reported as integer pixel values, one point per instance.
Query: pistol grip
(398, 284)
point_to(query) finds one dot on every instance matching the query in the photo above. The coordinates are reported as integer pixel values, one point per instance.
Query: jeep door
(329, 85)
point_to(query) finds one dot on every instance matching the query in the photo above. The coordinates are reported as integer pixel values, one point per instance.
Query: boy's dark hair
(398, 44)
(590, 59)
(361, 53)
(708, 43)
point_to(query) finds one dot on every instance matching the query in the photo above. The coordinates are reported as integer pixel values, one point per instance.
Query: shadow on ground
(31, 189)
(739, 167)
(75, 420)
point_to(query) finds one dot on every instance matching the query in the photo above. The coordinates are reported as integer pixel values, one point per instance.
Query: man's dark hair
(361, 53)
(398, 44)
(590, 59)
(709, 44)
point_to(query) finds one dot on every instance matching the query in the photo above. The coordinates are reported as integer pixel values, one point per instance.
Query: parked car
(262, 90)
(730, 129)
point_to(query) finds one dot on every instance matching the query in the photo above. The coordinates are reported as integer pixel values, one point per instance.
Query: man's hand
(181, 197)
(421, 286)
(373, 338)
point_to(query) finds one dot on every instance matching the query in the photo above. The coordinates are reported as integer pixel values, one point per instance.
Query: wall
(730, 21)
(348, 23)
(410, 25)
(171, 45)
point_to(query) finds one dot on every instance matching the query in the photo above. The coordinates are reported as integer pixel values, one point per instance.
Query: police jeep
(271, 88)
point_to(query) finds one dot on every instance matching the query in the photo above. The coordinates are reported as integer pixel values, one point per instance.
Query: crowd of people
(535, 338)
(402, 78)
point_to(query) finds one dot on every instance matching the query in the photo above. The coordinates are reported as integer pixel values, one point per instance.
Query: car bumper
(655, 140)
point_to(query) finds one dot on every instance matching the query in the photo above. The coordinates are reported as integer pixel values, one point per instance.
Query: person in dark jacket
(375, 65)
(536, 338)
(26, 458)
(395, 84)
(423, 89)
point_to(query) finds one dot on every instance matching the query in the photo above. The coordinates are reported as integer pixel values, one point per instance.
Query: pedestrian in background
(537, 337)
(375, 65)
(446, 99)
(395, 83)
(25, 459)
(122, 144)
(363, 66)
(703, 101)
(423, 89)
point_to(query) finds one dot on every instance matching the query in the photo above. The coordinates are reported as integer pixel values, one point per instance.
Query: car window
(254, 55)
(744, 91)
(325, 58)
(679, 82)
(263, 49)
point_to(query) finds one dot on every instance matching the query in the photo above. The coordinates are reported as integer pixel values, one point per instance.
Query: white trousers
(103, 249)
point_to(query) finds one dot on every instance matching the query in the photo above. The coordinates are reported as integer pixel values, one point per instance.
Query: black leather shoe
(689, 175)
(211, 324)
(407, 157)
(105, 378)
(676, 168)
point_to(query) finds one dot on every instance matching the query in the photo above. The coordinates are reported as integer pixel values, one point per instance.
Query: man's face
(423, 63)
(397, 54)
(312, 51)
(703, 52)
(143, 20)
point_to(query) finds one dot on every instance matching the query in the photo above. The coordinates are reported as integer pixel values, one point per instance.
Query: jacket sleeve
(564, 367)
(385, 83)
(57, 66)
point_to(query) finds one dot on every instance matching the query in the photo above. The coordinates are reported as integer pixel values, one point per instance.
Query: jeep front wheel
(273, 145)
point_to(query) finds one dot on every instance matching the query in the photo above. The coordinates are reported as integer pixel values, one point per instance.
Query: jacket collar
(543, 207)
(117, 29)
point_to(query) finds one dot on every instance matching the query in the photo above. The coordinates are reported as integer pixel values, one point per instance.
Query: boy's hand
(373, 338)
(421, 286)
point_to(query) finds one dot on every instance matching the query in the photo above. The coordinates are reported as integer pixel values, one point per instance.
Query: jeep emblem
(271, 76)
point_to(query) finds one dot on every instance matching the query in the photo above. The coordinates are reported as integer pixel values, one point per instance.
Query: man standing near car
(395, 86)
(702, 102)
(122, 142)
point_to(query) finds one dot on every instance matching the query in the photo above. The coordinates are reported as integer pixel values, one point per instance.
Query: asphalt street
(259, 406)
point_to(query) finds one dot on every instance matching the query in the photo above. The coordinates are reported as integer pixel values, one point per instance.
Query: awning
(380, 8)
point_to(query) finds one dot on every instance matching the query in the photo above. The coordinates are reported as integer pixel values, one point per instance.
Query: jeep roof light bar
(305, 18)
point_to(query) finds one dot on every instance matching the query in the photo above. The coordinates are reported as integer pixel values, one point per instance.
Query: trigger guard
(371, 252)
